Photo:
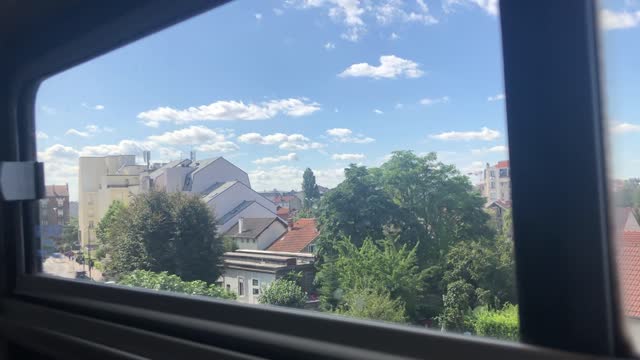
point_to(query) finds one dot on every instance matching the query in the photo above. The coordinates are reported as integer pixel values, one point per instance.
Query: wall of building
(497, 187)
(175, 178)
(271, 234)
(218, 171)
(231, 282)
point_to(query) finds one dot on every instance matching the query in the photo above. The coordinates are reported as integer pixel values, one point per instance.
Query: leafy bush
(501, 324)
(372, 304)
(284, 293)
(167, 282)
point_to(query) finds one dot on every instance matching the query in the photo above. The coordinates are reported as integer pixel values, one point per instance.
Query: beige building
(497, 182)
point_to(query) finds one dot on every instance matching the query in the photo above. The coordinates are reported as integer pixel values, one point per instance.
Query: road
(63, 267)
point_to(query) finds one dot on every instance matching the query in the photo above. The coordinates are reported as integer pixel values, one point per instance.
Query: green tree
(164, 281)
(500, 324)
(310, 189)
(164, 232)
(456, 315)
(284, 293)
(372, 304)
(328, 283)
(109, 227)
(70, 236)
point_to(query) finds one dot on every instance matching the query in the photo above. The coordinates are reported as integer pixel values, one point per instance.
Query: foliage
(163, 232)
(373, 304)
(166, 282)
(284, 293)
(310, 189)
(109, 228)
(328, 284)
(501, 324)
(456, 310)
(229, 244)
(381, 267)
(70, 236)
(303, 214)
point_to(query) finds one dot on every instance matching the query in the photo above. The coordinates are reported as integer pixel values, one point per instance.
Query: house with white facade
(497, 182)
(247, 273)
(222, 185)
(256, 233)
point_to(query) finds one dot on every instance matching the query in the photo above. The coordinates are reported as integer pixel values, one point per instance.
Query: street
(63, 267)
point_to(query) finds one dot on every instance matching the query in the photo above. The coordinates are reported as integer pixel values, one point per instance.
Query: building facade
(497, 182)
(54, 208)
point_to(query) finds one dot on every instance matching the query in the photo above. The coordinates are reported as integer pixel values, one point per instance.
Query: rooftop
(629, 266)
(57, 190)
(304, 231)
(502, 164)
(252, 227)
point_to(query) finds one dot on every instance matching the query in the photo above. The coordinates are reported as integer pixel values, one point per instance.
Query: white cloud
(276, 159)
(99, 107)
(77, 133)
(612, 20)
(392, 11)
(61, 166)
(484, 134)
(192, 135)
(258, 16)
(377, 111)
(493, 149)
(622, 128)
(94, 129)
(230, 110)
(41, 135)
(286, 177)
(329, 46)
(489, 6)
(348, 157)
(48, 110)
(399, 106)
(278, 11)
(433, 101)
(497, 97)
(344, 135)
(93, 107)
(390, 67)
(394, 36)
(285, 142)
(219, 147)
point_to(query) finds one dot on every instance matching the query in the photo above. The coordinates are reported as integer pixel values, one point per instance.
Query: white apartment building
(222, 185)
(497, 182)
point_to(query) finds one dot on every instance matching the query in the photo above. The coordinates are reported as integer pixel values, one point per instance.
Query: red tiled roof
(57, 190)
(283, 211)
(629, 267)
(295, 240)
(503, 164)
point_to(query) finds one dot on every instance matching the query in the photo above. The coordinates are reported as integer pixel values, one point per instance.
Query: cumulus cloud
(94, 129)
(329, 46)
(284, 141)
(61, 166)
(258, 16)
(394, 36)
(496, 97)
(433, 101)
(488, 6)
(378, 111)
(390, 67)
(278, 11)
(41, 135)
(77, 133)
(276, 159)
(392, 11)
(485, 134)
(622, 128)
(219, 147)
(93, 107)
(344, 135)
(192, 135)
(493, 149)
(48, 110)
(348, 157)
(612, 20)
(287, 177)
(230, 110)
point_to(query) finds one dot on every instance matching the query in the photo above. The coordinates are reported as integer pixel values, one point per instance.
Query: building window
(493, 173)
(240, 286)
(229, 287)
(504, 172)
(312, 248)
(255, 286)
(493, 185)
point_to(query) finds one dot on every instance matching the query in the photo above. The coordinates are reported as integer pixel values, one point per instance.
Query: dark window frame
(567, 97)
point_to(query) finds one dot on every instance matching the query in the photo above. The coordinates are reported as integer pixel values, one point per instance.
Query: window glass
(620, 26)
(340, 157)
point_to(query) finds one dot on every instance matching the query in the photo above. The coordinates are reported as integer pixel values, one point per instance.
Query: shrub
(284, 293)
(501, 324)
(166, 282)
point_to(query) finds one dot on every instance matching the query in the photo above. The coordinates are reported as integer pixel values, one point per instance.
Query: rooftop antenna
(146, 155)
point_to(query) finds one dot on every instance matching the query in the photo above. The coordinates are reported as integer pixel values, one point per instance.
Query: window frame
(83, 31)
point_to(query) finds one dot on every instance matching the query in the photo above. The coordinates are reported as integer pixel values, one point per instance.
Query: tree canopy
(310, 189)
(167, 282)
(162, 232)
(283, 292)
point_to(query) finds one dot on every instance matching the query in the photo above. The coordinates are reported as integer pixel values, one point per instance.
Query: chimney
(290, 224)
(240, 225)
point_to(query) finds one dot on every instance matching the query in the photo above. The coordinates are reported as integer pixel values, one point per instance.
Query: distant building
(301, 237)
(224, 187)
(54, 215)
(628, 256)
(497, 182)
(284, 199)
(498, 210)
(247, 273)
(256, 233)
(625, 221)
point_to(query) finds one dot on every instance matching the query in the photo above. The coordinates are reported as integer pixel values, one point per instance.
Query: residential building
(301, 237)
(628, 253)
(247, 273)
(54, 215)
(498, 210)
(256, 233)
(284, 199)
(625, 221)
(497, 182)
(224, 187)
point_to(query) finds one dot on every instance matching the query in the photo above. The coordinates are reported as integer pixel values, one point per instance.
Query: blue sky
(278, 86)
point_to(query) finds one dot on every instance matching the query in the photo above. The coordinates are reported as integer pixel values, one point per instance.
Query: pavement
(63, 267)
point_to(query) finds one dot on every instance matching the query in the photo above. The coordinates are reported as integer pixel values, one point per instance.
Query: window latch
(21, 180)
